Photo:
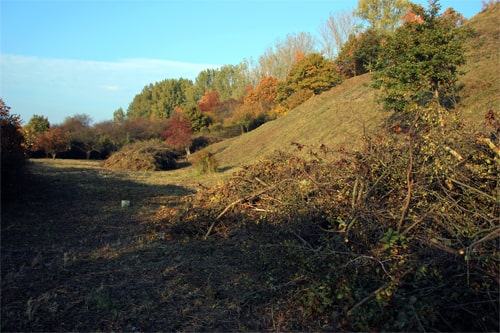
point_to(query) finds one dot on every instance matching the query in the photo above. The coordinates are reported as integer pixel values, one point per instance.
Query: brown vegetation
(399, 236)
(143, 156)
(331, 222)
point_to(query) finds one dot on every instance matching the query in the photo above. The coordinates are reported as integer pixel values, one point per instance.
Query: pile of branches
(401, 235)
(143, 156)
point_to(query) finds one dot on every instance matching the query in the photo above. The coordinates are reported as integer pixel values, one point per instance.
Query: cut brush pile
(401, 235)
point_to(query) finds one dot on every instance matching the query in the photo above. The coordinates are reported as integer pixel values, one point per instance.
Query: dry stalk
(231, 205)
(409, 184)
(491, 145)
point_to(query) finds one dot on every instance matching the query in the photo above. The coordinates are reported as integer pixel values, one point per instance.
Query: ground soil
(72, 259)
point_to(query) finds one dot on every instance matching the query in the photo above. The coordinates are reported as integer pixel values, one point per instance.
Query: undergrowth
(401, 235)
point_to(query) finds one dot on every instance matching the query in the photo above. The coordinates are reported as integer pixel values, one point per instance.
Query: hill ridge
(340, 116)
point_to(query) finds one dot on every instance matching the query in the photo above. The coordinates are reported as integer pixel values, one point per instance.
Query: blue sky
(63, 57)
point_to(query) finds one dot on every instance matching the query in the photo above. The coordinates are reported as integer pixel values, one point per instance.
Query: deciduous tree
(52, 141)
(179, 134)
(119, 116)
(314, 73)
(12, 150)
(159, 100)
(34, 128)
(383, 15)
(335, 32)
(420, 62)
(361, 52)
(278, 59)
(263, 96)
(209, 101)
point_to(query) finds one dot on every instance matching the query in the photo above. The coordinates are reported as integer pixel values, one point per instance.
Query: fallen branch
(492, 146)
(454, 153)
(409, 184)
(231, 205)
(367, 298)
(473, 189)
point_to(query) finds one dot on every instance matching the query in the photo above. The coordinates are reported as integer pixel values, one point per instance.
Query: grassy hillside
(335, 118)
(481, 83)
(339, 117)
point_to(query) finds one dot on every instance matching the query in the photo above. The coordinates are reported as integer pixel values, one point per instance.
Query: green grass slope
(340, 117)
(337, 118)
(481, 83)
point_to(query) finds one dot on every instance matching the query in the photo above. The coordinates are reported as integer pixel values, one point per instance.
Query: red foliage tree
(179, 134)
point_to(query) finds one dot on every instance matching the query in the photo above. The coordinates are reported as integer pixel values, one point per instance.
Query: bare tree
(335, 32)
(278, 59)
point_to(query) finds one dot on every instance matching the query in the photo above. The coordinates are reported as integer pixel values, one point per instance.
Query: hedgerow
(401, 235)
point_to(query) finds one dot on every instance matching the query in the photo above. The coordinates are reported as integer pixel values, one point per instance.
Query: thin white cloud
(58, 88)
(111, 88)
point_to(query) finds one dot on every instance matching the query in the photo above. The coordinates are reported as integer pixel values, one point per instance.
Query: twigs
(486, 195)
(231, 205)
(367, 298)
(409, 186)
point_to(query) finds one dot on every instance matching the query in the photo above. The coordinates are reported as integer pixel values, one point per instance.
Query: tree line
(408, 48)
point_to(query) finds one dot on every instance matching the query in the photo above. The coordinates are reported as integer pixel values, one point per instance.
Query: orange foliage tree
(210, 101)
(54, 140)
(264, 91)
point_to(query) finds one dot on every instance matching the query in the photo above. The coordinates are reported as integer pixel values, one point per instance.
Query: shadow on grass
(73, 259)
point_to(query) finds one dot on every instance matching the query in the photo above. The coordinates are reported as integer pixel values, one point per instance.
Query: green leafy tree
(361, 52)
(384, 15)
(140, 107)
(119, 116)
(199, 119)
(420, 62)
(160, 99)
(230, 81)
(313, 73)
(34, 128)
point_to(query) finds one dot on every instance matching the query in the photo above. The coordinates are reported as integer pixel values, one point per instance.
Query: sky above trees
(60, 58)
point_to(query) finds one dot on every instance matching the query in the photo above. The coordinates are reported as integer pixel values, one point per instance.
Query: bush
(143, 156)
(12, 151)
(206, 162)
